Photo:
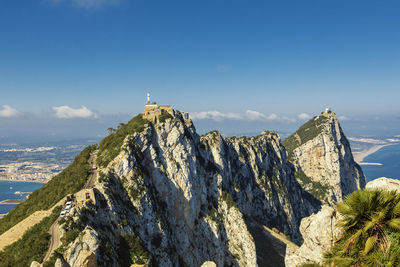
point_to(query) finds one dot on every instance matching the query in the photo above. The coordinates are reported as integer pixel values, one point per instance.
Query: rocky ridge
(174, 198)
(323, 159)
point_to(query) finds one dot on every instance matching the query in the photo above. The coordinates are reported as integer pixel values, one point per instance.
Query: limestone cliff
(325, 167)
(323, 159)
(164, 196)
(320, 232)
(186, 199)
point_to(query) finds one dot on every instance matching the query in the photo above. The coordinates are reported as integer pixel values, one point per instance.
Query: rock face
(174, 198)
(319, 231)
(80, 252)
(384, 184)
(323, 159)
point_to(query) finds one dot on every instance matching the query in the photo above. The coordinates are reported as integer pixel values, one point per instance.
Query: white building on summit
(152, 110)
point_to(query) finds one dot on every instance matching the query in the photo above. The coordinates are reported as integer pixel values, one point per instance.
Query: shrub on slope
(110, 146)
(371, 224)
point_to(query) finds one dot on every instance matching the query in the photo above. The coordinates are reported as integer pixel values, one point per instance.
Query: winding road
(55, 238)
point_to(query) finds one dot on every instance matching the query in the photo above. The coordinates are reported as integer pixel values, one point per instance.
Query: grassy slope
(69, 181)
(32, 246)
(110, 146)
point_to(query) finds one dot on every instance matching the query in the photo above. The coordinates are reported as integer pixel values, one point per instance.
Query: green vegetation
(70, 180)
(213, 136)
(225, 196)
(110, 146)
(164, 116)
(132, 251)
(32, 246)
(371, 224)
(305, 133)
(316, 189)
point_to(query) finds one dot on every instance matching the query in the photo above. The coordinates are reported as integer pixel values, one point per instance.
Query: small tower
(148, 98)
(328, 110)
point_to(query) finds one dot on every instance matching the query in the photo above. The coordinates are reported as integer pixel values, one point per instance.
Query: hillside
(163, 192)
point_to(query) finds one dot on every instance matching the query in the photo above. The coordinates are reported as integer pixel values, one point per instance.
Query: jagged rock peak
(177, 191)
(166, 196)
(323, 159)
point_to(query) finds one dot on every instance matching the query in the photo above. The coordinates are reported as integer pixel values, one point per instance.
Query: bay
(8, 189)
(389, 157)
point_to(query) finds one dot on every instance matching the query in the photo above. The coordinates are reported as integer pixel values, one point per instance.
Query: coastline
(29, 181)
(359, 156)
(16, 201)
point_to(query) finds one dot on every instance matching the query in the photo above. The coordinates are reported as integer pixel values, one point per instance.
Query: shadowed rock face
(190, 199)
(326, 158)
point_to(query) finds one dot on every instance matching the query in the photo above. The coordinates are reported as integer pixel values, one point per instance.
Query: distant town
(29, 171)
(37, 163)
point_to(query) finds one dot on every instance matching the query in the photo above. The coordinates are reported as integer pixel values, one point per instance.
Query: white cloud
(287, 119)
(214, 115)
(304, 116)
(255, 115)
(249, 115)
(66, 112)
(7, 112)
(343, 118)
(88, 4)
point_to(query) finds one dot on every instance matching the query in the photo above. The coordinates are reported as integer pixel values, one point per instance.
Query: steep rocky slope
(186, 199)
(323, 159)
(325, 167)
(164, 196)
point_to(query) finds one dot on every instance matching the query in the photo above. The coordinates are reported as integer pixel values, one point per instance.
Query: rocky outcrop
(319, 231)
(174, 198)
(190, 190)
(209, 264)
(82, 251)
(36, 264)
(323, 159)
(384, 183)
(176, 191)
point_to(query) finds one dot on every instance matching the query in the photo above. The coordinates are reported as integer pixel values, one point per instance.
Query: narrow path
(55, 241)
(93, 177)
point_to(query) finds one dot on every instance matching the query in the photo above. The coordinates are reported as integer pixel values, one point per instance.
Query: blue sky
(69, 63)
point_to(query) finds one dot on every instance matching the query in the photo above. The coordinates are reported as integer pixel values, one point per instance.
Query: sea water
(8, 189)
(389, 157)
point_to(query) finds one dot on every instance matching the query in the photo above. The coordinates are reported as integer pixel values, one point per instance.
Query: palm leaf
(396, 209)
(394, 223)
(369, 244)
